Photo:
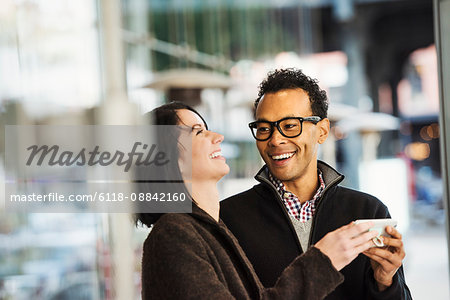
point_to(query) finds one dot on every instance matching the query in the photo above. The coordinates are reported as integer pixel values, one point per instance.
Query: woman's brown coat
(191, 256)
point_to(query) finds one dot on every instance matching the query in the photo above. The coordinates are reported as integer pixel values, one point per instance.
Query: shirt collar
(281, 189)
(300, 211)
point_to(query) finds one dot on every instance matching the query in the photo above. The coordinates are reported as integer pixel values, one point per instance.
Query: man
(299, 199)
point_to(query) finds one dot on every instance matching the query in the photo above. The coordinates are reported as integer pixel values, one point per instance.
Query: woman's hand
(344, 244)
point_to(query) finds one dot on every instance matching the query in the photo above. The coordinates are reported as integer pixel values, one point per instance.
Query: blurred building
(102, 62)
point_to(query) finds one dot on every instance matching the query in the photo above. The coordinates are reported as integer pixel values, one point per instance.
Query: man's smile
(282, 156)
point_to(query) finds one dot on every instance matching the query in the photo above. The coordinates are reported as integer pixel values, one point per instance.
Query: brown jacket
(191, 256)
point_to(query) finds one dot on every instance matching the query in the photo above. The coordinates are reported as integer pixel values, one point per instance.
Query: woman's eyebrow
(197, 126)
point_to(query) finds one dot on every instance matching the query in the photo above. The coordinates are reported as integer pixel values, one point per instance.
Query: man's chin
(279, 174)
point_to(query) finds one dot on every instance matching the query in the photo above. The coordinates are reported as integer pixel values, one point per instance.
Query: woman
(195, 256)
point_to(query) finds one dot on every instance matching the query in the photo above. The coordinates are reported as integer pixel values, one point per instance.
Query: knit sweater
(191, 256)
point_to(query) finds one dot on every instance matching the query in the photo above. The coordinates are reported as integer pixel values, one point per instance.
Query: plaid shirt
(302, 212)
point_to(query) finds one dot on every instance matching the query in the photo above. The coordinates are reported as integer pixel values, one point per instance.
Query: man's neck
(304, 187)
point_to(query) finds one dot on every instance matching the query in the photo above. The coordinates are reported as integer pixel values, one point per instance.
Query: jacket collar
(202, 215)
(331, 177)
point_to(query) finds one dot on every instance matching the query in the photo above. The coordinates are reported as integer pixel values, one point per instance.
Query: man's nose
(277, 138)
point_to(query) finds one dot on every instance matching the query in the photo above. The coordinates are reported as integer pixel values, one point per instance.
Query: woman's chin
(223, 172)
(226, 170)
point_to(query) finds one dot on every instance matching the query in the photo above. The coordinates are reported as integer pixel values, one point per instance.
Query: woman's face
(206, 160)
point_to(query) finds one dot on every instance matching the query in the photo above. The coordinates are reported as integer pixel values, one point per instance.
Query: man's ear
(324, 130)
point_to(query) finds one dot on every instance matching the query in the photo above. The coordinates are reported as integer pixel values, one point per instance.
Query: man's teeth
(283, 156)
(215, 154)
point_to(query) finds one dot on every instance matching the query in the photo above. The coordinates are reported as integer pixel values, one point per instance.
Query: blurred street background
(89, 62)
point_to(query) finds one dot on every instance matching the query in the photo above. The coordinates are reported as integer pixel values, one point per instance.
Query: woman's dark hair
(166, 114)
(163, 115)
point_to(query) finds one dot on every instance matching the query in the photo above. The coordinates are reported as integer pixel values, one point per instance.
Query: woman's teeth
(216, 154)
(283, 156)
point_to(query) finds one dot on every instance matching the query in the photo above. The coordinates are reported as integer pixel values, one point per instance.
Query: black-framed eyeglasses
(289, 127)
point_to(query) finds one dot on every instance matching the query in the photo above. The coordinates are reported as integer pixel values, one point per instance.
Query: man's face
(290, 159)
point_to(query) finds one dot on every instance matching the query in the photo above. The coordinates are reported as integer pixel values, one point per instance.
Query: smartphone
(379, 225)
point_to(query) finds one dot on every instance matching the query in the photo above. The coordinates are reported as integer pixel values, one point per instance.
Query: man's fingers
(393, 242)
(379, 259)
(387, 265)
(382, 261)
(384, 253)
(393, 232)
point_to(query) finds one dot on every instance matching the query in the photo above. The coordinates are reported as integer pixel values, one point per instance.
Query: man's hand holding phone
(385, 259)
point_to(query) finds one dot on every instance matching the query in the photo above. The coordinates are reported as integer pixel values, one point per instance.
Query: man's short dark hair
(289, 79)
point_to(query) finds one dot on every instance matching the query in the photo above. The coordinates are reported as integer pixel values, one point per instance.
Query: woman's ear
(324, 130)
(185, 161)
(181, 166)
